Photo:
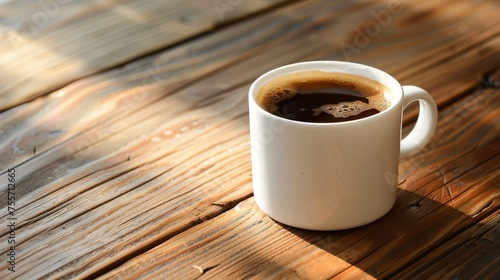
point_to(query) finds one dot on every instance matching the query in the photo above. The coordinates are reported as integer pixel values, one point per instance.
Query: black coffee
(322, 97)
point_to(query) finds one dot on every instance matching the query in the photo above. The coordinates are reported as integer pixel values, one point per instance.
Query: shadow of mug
(414, 232)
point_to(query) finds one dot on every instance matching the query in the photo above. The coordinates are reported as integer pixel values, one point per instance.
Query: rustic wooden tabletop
(124, 139)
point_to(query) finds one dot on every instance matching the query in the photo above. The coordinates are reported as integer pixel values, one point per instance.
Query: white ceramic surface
(331, 176)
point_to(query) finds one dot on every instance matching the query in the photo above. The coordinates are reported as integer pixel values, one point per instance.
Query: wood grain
(145, 155)
(472, 253)
(49, 45)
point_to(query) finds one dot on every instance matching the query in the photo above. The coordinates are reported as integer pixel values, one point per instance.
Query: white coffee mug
(332, 176)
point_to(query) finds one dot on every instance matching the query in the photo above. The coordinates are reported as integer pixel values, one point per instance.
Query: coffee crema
(322, 97)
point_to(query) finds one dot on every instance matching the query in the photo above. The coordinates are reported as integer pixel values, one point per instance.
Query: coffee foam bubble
(354, 108)
(286, 87)
(277, 94)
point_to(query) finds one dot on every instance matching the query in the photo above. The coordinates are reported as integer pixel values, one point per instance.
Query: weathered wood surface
(155, 154)
(51, 43)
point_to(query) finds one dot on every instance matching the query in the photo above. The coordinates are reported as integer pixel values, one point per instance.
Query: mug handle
(426, 122)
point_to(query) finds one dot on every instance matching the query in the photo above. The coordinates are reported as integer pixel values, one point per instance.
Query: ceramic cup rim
(329, 66)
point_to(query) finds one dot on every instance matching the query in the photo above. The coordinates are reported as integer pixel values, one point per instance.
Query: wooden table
(124, 136)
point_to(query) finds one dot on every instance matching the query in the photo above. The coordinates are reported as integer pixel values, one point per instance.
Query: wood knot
(489, 82)
(417, 204)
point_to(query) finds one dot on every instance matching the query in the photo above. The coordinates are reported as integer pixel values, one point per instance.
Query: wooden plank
(46, 46)
(130, 151)
(162, 188)
(436, 204)
(473, 253)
